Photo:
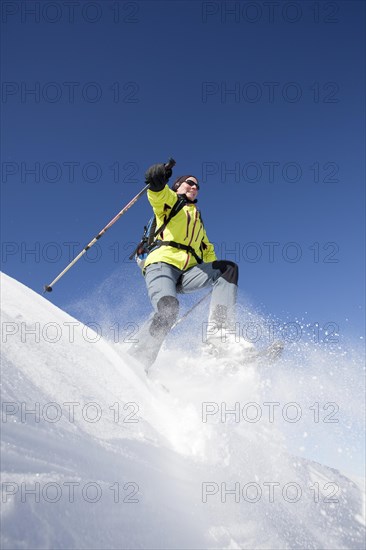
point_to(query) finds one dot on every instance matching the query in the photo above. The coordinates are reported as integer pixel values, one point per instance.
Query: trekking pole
(48, 288)
(178, 321)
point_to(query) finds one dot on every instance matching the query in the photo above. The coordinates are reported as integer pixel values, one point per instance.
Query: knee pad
(229, 270)
(165, 317)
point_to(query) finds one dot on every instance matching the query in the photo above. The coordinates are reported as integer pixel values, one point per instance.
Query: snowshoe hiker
(181, 259)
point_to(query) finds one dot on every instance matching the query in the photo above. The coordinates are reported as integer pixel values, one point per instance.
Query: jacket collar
(188, 201)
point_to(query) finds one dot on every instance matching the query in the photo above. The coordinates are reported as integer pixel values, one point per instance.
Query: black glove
(157, 176)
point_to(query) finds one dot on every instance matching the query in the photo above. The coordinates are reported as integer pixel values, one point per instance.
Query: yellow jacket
(185, 228)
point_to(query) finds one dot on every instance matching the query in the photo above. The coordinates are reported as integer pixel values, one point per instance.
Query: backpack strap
(148, 242)
(186, 247)
(157, 243)
(174, 211)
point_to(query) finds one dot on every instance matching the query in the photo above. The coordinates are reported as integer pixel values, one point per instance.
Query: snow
(95, 455)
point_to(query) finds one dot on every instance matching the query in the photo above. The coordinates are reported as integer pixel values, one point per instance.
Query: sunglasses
(192, 183)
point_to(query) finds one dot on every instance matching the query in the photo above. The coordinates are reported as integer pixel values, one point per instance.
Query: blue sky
(263, 103)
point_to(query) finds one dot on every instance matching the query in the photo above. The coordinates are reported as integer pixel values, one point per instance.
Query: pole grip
(170, 164)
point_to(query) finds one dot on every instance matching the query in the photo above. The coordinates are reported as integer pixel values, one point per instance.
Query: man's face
(189, 188)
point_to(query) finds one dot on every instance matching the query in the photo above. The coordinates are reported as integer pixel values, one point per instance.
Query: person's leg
(161, 280)
(223, 276)
(222, 314)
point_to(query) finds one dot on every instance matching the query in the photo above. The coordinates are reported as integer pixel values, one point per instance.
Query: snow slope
(94, 455)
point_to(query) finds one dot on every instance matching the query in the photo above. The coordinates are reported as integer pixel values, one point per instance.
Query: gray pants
(164, 282)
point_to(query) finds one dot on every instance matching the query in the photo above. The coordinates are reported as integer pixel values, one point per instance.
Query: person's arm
(162, 200)
(160, 196)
